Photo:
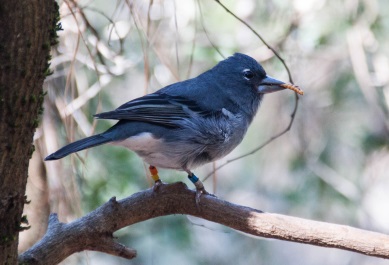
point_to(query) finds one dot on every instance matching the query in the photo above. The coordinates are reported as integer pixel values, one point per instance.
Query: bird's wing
(157, 108)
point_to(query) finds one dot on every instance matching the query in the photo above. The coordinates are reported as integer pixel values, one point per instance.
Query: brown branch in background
(176, 38)
(81, 35)
(146, 49)
(260, 37)
(92, 29)
(113, 28)
(148, 17)
(80, 9)
(206, 32)
(148, 43)
(95, 230)
(190, 64)
(143, 44)
(360, 67)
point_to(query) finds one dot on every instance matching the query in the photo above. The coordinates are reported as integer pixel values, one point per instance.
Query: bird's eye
(248, 74)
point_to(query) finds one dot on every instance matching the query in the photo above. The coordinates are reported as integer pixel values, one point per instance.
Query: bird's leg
(198, 184)
(155, 177)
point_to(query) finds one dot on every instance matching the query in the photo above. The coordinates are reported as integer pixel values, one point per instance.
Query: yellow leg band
(155, 177)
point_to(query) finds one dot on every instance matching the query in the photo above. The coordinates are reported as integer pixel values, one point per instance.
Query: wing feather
(157, 108)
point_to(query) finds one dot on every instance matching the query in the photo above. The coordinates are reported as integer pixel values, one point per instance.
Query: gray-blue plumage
(188, 123)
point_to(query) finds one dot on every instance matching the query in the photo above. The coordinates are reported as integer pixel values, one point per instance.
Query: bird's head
(242, 72)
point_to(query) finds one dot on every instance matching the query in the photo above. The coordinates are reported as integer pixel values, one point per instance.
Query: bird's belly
(161, 160)
(152, 150)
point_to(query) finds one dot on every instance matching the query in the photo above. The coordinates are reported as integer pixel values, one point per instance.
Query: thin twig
(206, 32)
(113, 28)
(143, 45)
(260, 37)
(82, 36)
(176, 38)
(190, 64)
(93, 30)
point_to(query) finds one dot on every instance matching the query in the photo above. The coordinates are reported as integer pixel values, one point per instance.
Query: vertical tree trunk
(27, 31)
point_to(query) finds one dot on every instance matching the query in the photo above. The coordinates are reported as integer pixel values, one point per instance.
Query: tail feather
(78, 146)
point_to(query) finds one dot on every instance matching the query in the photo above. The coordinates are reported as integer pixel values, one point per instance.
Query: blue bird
(189, 123)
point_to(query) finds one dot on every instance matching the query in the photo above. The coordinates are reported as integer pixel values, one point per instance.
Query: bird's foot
(157, 184)
(200, 190)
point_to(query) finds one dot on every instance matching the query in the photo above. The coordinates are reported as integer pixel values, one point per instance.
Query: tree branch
(94, 231)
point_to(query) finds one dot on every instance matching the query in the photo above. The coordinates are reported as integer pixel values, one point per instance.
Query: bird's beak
(270, 85)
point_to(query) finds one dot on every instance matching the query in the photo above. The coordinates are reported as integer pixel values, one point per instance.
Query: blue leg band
(193, 178)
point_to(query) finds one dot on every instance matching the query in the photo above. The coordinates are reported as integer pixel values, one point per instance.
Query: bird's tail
(78, 146)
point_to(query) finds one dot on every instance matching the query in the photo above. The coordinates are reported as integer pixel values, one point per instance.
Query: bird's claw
(199, 192)
(158, 183)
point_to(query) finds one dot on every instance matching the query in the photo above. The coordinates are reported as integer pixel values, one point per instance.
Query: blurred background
(332, 166)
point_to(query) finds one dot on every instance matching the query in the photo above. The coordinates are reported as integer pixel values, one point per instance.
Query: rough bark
(27, 31)
(94, 231)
